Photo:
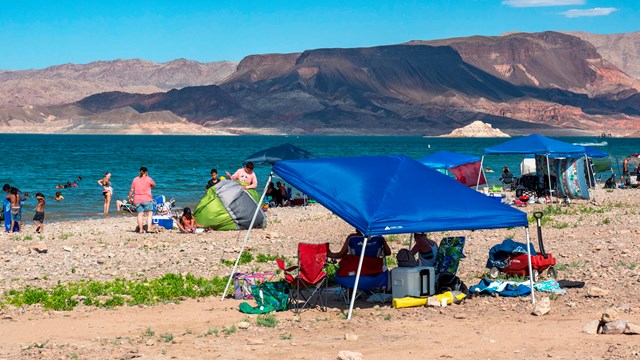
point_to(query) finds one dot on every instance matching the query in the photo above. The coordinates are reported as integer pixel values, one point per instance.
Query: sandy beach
(595, 242)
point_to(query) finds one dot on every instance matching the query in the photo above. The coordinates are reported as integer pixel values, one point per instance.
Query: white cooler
(413, 281)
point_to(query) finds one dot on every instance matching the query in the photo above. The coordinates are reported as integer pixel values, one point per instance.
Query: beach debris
(542, 307)
(243, 325)
(40, 248)
(349, 355)
(632, 329)
(255, 342)
(591, 327)
(610, 324)
(615, 327)
(609, 315)
(350, 337)
(67, 249)
(594, 291)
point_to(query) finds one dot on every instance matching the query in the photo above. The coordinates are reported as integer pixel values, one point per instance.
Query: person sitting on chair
(507, 176)
(345, 247)
(426, 249)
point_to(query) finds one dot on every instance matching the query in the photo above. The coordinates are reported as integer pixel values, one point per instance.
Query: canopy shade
(447, 160)
(381, 195)
(281, 152)
(536, 144)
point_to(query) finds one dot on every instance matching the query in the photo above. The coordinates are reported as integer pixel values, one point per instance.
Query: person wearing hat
(140, 196)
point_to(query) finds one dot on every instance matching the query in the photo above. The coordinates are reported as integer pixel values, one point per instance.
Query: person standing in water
(140, 196)
(107, 191)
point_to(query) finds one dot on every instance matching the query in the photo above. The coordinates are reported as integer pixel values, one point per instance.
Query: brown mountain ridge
(547, 82)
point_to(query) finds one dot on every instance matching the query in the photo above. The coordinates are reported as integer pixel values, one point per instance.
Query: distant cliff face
(622, 50)
(71, 82)
(542, 60)
(549, 83)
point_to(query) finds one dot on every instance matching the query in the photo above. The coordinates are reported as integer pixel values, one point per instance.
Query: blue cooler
(164, 221)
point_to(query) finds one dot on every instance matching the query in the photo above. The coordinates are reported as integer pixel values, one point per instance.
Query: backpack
(450, 282)
(610, 183)
(405, 258)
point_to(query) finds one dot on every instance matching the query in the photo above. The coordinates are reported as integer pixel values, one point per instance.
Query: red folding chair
(308, 278)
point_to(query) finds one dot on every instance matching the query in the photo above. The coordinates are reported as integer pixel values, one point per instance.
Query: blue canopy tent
(378, 195)
(536, 144)
(464, 167)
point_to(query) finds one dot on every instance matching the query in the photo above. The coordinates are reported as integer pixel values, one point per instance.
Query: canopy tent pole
(410, 240)
(480, 172)
(549, 177)
(355, 286)
(246, 238)
(533, 296)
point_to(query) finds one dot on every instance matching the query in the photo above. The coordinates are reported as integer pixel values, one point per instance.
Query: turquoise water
(180, 165)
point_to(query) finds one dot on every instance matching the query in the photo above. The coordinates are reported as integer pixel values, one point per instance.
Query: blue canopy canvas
(281, 152)
(381, 195)
(535, 144)
(447, 159)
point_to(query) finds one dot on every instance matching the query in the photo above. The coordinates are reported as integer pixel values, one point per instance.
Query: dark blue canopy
(394, 194)
(281, 152)
(536, 144)
(447, 160)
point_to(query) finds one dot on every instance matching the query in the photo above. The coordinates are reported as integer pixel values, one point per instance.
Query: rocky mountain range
(550, 82)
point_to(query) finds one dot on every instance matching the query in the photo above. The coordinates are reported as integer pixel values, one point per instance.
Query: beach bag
(450, 282)
(269, 296)
(406, 259)
(242, 283)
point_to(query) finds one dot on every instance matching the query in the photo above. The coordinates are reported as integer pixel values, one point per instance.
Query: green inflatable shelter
(228, 206)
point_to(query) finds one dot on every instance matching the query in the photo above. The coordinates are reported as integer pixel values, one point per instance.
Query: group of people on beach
(16, 200)
(140, 196)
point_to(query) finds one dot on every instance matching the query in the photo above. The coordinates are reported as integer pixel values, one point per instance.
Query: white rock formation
(477, 129)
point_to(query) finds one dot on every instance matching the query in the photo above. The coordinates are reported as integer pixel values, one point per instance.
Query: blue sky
(37, 34)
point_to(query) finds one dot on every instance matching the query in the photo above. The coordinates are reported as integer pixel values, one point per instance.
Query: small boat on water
(592, 143)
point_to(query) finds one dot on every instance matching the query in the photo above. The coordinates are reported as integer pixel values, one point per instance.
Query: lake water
(180, 165)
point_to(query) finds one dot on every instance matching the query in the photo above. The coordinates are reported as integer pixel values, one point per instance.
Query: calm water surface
(180, 165)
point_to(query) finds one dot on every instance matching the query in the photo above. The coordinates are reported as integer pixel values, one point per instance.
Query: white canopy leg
(355, 285)
(533, 296)
(246, 238)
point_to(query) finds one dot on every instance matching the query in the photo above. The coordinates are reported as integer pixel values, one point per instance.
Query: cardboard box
(164, 221)
(413, 281)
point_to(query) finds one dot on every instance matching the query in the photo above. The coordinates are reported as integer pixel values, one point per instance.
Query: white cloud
(538, 3)
(574, 13)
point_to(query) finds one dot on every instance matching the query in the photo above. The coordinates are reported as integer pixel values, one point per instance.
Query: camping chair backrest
(375, 246)
(449, 255)
(312, 259)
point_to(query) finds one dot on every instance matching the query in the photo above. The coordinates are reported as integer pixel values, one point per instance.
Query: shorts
(39, 216)
(15, 214)
(144, 206)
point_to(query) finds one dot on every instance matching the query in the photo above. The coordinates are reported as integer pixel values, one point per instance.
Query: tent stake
(355, 286)
(246, 238)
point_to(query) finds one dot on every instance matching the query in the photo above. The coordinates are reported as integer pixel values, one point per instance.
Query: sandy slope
(597, 244)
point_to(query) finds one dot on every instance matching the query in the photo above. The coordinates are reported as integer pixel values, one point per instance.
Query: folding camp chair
(449, 255)
(309, 283)
(374, 274)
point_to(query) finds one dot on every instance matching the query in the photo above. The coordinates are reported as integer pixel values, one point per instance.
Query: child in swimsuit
(38, 218)
(187, 222)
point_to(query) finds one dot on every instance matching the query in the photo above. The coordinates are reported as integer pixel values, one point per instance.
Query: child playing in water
(59, 196)
(38, 218)
(187, 223)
